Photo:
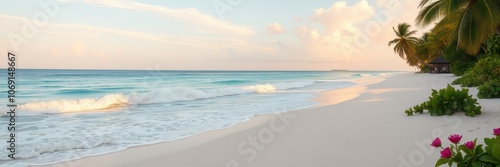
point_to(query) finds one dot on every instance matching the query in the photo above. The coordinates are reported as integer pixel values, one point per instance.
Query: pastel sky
(204, 34)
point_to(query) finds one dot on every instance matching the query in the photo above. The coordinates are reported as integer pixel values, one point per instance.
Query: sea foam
(149, 97)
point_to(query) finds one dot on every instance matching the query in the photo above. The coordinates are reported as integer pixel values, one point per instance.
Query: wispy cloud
(341, 16)
(275, 28)
(190, 15)
(337, 29)
(90, 40)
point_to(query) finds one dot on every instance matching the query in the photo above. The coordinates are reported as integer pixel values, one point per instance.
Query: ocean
(69, 114)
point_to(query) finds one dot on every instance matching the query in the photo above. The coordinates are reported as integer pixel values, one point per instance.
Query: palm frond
(394, 41)
(405, 44)
(487, 12)
(469, 22)
(429, 14)
(451, 6)
(423, 3)
(411, 33)
(467, 33)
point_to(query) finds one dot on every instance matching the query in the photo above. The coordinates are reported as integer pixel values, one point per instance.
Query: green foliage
(417, 109)
(483, 56)
(491, 155)
(405, 44)
(471, 157)
(448, 101)
(475, 156)
(490, 89)
(485, 69)
(466, 81)
(459, 67)
(493, 45)
(460, 60)
(424, 68)
(470, 22)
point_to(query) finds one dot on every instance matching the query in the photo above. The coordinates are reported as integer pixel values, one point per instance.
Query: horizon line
(228, 70)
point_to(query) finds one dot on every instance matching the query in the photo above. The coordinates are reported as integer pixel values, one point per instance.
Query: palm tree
(475, 20)
(422, 51)
(432, 44)
(405, 44)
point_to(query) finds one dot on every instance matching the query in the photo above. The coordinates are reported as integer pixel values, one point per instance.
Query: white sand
(369, 129)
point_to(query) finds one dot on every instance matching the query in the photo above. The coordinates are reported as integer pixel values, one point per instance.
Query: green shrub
(467, 81)
(460, 60)
(490, 89)
(459, 67)
(493, 45)
(485, 69)
(448, 101)
(483, 56)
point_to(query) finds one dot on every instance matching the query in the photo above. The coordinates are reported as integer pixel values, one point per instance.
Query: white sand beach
(364, 125)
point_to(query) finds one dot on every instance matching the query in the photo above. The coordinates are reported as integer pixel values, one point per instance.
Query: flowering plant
(470, 153)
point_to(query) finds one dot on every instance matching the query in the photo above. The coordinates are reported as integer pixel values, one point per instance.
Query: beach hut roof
(439, 60)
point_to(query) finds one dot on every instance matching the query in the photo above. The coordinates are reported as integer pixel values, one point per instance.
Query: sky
(204, 34)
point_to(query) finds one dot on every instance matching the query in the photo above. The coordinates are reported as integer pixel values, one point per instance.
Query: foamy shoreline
(371, 124)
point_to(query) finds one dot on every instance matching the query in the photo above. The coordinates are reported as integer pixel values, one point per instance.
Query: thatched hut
(441, 65)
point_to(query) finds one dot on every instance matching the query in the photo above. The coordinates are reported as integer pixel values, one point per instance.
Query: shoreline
(232, 146)
(336, 96)
(322, 99)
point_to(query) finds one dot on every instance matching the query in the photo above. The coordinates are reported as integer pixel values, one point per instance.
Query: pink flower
(446, 153)
(436, 142)
(455, 138)
(470, 145)
(496, 131)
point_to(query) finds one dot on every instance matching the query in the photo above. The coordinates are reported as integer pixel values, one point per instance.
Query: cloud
(403, 11)
(340, 16)
(323, 36)
(340, 36)
(190, 15)
(337, 31)
(355, 34)
(77, 40)
(348, 30)
(100, 34)
(274, 28)
(317, 40)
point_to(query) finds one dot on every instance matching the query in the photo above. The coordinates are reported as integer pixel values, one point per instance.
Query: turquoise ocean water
(69, 114)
